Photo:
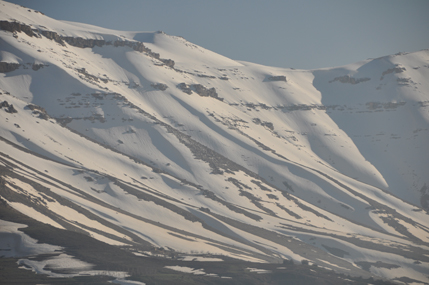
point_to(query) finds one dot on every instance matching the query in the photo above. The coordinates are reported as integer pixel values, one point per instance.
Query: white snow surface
(212, 155)
(15, 243)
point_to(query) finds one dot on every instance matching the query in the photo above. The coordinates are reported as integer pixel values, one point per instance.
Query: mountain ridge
(211, 154)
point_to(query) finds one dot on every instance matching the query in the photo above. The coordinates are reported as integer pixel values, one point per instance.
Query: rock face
(204, 92)
(11, 109)
(37, 66)
(84, 43)
(168, 62)
(396, 69)
(159, 86)
(200, 90)
(8, 67)
(37, 110)
(53, 36)
(16, 27)
(277, 78)
(185, 88)
(264, 124)
(349, 79)
(8, 107)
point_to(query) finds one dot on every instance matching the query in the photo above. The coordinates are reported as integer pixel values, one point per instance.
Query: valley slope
(146, 141)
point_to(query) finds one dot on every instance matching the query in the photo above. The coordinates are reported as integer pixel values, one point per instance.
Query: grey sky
(300, 33)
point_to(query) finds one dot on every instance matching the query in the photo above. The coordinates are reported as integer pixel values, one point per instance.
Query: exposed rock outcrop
(396, 69)
(349, 79)
(268, 125)
(87, 75)
(277, 78)
(16, 27)
(204, 92)
(168, 62)
(8, 107)
(81, 42)
(37, 110)
(37, 66)
(8, 67)
(159, 86)
(185, 88)
(11, 109)
(200, 90)
(53, 36)
(384, 105)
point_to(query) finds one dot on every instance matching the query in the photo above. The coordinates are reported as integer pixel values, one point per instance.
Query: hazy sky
(300, 33)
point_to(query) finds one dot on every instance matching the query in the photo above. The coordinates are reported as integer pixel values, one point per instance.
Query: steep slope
(145, 140)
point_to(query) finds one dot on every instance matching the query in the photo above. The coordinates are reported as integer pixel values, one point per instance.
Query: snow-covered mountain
(145, 140)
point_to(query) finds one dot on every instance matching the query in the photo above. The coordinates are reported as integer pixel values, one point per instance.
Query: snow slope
(147, 140)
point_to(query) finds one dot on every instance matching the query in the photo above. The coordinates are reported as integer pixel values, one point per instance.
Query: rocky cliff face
(15, 27)
(8, 67)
